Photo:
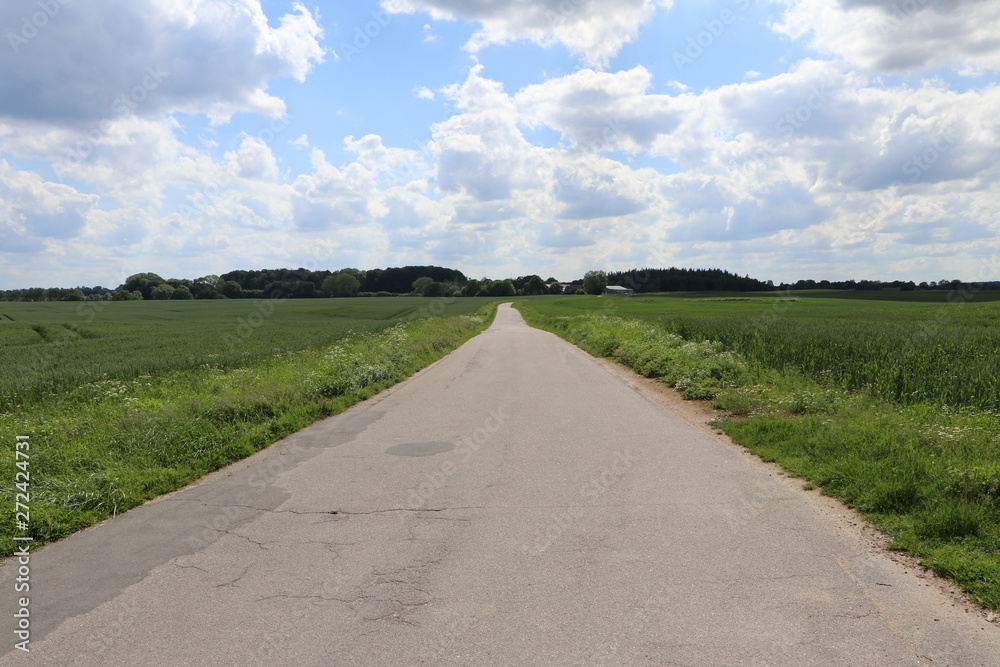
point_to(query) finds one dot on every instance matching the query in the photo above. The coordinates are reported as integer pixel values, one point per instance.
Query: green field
(907, 347)
(140, 398)
(887, 401)
(55, 346)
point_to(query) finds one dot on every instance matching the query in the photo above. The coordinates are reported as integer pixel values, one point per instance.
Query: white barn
(618, 289)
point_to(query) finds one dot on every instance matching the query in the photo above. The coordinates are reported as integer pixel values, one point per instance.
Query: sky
(783, 139)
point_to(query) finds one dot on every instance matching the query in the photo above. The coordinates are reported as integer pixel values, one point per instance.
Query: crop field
(904, 346)
(137, 399)
(56, 346)
(888, 401)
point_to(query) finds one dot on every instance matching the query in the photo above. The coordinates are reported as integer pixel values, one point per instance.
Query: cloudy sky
(785, 139)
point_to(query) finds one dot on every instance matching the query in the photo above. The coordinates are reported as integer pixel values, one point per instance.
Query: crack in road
(410, 509)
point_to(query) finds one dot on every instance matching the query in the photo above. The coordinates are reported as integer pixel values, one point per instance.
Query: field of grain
(53, 347)
(909, 347)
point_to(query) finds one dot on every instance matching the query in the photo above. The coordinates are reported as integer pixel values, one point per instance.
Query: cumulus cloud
(253, 160)
(33, 207)
(903, 36)
(480, 151)
(93, 61)
(600, 111)
(593, 29)
(331, 197)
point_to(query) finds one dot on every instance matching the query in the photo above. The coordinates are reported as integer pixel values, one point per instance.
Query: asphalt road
(514, 504)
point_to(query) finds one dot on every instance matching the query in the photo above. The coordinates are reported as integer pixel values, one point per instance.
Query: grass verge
(110, 445)
(927, 475)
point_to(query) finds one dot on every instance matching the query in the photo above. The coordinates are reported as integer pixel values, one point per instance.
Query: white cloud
(32, 209)
(600, 111)
(423, 93)
(904, 36)
(593, 29)
(253, 160)
(331, 197)
(480, 151)
(99, 60)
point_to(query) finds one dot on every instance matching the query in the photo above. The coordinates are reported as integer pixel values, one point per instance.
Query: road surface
(514, 504)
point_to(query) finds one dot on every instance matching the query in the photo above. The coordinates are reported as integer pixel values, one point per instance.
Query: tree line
(296, 284)
(686, 280)
(433, 281)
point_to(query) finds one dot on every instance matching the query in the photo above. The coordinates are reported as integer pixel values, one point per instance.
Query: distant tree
(161, 292)
(144, 283)
(421, 284)
(181, 293)
(231, 289)
(472, 288)
(206, 287)
(437, 289)
(74, 295)
(555, 288)
(125, 295)
(534, 285)
(595, 282)
(341, 284)
(501, 288)
(329, 286)
(357, 273)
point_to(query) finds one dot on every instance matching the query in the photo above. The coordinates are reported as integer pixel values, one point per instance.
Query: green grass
(115, 431)
(48, 348)
(922, 465)
(909, 347)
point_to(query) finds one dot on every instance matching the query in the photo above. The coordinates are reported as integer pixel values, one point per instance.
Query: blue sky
(783, 139)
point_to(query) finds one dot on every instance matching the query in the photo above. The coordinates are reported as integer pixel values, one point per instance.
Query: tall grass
(51, 348)
(905, 347)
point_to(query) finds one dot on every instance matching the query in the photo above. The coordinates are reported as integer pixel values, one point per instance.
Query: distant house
(618, 289)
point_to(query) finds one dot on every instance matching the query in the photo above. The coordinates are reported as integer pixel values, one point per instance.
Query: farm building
(618, 289)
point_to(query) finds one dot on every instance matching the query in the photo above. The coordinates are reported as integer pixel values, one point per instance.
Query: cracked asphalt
(514, 504)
